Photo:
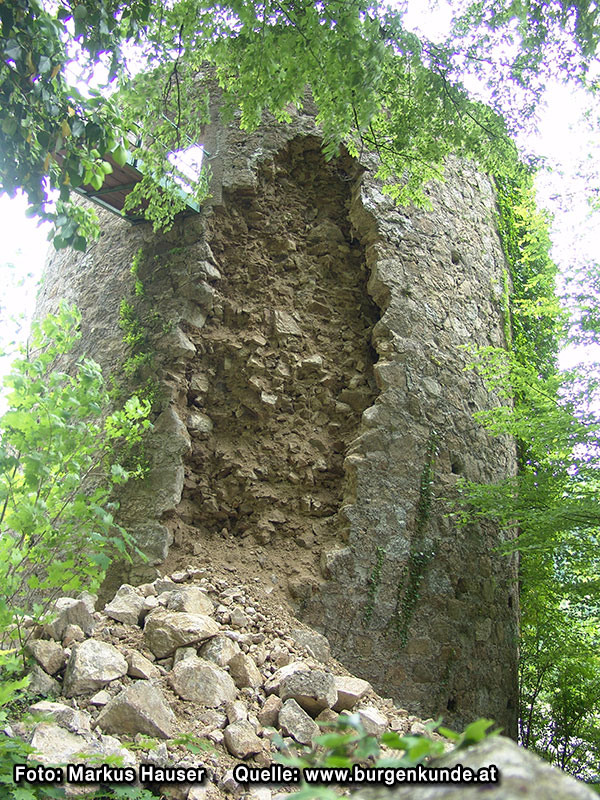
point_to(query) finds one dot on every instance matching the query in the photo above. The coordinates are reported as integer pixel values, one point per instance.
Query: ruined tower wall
(312, 407)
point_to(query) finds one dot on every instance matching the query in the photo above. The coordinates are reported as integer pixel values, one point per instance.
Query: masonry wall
(313, 411)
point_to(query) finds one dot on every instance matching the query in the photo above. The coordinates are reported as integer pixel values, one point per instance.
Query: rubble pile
(189, 671)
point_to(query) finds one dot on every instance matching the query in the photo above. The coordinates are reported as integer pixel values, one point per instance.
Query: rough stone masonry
(314, 409)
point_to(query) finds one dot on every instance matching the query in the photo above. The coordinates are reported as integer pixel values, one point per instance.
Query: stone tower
(312, 407)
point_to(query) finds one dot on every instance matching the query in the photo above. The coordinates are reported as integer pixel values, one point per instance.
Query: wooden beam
(123, 187)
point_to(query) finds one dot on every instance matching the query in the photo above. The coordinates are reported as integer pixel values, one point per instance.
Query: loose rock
(71, 611)
(295, 722)
(73, 633)
(350, 691)
(220, 650)
(523, 775)
(373, 721)
(238, 618)
(315, 643)
(244, 671)
(236, 711)
(48, 654)
(182, 653)
(101, 698)
(140, 708)
(141, 667)
(273, 684)
(285, 325)
(191, 600)
(165, 631)
(202, 682)
(55, 745)
(269, 713)
(314, 690)
(65, 716)
(241, 740)
(41, 683)
(92, 665)
(126, 606)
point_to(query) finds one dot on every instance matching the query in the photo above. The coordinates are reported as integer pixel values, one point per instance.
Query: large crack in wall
(283, 369)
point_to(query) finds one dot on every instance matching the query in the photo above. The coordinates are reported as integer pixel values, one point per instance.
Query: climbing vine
(408, 589)
(552, 501)
(373, 585)
(506, 311)
(535, 320)
(138, 326)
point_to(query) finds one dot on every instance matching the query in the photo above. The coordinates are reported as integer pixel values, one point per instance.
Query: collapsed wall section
(282, 371)
(312, 409)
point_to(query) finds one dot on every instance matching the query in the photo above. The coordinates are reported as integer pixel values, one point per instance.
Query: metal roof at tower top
(117, 185)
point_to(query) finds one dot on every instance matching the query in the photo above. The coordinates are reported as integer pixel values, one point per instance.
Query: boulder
(316, 644)
(220, 650)
(41, 683)
(141, 667)
(91, 666)
(89, 600)
(241, 739)
(126, 606)
(522, 775)
(101, 698)
(295, 722)
(350, 690)
(236, 711)
(162, 585)
(190, 599)
(373, 721)
(182, 653)
(230, 786)
(269, 713)
(54, 745)
(165, 631)
(48, 654)
(314, 690)
(244, 671)
(273, 685)
(202, 682)
(73, 634)
(150, 603)
(65, 716)
(238, 617)
(70, 611)
(140, 708)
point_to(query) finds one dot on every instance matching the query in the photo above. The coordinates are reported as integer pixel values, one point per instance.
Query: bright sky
(564, 138)
(568, 140)
(23, 247)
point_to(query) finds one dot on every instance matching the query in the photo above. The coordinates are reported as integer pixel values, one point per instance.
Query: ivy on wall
(421, 553)
(536, 321)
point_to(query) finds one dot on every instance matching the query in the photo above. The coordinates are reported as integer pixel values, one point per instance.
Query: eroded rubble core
(283, 369)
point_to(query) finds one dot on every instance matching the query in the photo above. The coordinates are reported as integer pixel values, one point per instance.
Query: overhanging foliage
(376, 86)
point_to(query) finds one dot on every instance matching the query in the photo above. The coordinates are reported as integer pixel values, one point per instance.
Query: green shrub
(346, 744)
(61, 455)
